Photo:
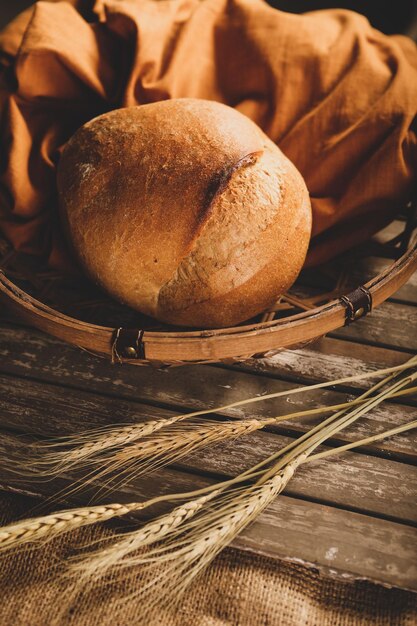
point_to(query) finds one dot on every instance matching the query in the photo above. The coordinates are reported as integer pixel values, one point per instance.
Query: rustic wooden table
(351, 516)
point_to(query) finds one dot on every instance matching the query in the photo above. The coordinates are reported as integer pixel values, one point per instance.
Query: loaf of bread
(184, 210)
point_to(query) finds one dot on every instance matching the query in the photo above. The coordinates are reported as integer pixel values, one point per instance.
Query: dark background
(390, 16)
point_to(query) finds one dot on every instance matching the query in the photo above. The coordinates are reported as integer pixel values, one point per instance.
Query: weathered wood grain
(325, 359)
(361, 482)
(38, 408)
(339, 542)
(334, 541)
(350, 481)
(34, 355)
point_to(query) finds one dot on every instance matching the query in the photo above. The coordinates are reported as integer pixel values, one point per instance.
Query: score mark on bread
(184, 210)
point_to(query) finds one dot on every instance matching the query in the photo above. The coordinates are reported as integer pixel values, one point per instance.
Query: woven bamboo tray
(34, 296)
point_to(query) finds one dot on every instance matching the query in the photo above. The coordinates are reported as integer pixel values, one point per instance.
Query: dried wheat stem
(334, 407)
(137, 457)
(52, 525)
(335, 423)
(48, 526)
(365, 441)
(116, 437)
(169, 447)
(288, 392)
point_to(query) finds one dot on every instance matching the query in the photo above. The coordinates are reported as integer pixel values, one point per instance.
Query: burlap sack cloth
(337, 96)
(238, 589)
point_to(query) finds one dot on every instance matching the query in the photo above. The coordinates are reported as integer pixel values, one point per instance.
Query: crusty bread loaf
(185, 210)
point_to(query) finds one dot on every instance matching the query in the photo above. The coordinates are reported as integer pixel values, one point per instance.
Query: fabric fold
(337, 96)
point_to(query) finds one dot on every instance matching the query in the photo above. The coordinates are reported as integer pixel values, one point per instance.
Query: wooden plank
(51, 410)
(352, 481)
(338, 542)
(335, 541)
(48, 359)
(38, 408)
(374, 485)
(325, 359)
(29, 353)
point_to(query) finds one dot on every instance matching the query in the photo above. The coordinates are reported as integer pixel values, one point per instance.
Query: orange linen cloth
(337, 96)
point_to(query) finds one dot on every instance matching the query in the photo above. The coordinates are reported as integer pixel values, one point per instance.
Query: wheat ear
(365, 441)
(51, 525)
(168, 568)
(81, 449)
(48, 526)
(151, 533)
(191, 544)
(120, 465)
(97, 441)
(173, 443)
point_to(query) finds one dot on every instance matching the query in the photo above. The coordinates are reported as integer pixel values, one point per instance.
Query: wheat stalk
(365, 441)
(95, 446)
(172, 444)
(334, 424)
(167, 570)
(169, 567)
(113, 467)
(51, 525)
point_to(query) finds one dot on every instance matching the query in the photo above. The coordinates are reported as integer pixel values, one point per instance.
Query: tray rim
(214, 345)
